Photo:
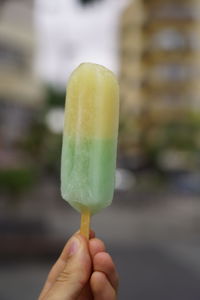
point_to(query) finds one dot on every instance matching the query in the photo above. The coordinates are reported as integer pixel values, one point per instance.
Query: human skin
(84, 271)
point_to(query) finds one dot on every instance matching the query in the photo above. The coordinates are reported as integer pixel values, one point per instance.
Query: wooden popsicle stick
(85, 223)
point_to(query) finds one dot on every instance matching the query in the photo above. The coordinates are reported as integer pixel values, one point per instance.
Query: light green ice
(88, 172)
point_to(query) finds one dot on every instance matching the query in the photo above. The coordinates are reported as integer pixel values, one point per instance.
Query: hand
(84, 271)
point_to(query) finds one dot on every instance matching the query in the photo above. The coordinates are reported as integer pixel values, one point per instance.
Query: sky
(69, 33)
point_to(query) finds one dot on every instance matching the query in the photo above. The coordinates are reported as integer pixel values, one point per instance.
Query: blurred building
(130, 54)
(20, 90)
(171, 56)
(131, 47)
(160, 64)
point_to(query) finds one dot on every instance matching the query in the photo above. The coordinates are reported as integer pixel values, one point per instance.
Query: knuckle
(63, 276)
(111, 269)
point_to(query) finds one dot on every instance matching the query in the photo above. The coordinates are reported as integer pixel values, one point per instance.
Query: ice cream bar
(90, 138)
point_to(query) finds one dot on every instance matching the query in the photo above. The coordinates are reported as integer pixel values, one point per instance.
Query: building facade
(21, 92)
(160, 50)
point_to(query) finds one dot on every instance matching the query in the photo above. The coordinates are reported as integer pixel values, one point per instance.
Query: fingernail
(74, 246)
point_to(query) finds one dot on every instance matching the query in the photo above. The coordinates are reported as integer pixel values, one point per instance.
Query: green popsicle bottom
(88, 172)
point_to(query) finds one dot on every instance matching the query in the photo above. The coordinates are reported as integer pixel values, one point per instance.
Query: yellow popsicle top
(92, 103)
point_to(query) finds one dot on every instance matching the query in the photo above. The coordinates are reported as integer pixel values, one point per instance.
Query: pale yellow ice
(91, 108)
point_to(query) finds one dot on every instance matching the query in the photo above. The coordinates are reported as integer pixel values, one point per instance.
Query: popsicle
(90, 140)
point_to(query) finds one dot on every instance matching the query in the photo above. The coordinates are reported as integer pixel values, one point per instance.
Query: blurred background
(152, 228)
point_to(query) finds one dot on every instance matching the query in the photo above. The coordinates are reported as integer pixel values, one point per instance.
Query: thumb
(77, 270)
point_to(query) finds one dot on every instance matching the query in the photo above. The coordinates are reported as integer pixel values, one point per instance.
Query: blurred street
(155, 259)
(146, 272)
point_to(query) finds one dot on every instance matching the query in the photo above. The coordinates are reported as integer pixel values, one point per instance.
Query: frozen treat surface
(90, 138)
